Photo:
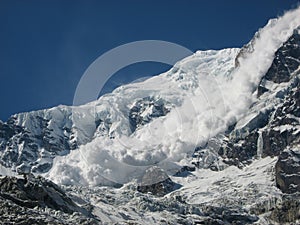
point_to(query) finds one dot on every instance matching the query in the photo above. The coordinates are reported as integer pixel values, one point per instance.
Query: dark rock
(276, 140)
(154, 108)
(228, 215)
(286, 60)
(288, 171)
(103, 127)
(31, 192)
(240, 146)
(42, 167)
(236, 153)
(261, 90)
(288, 211)
(12, 213)
(211, 221)
(156, 181)
(185, 170)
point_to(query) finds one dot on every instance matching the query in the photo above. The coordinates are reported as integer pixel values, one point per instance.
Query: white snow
(4, 171)
(249, 185)
(207, 93)
(193, 90)
(285, 127)
(248, 188)
(260, 144)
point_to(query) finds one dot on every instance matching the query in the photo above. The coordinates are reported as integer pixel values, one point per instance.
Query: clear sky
(46, 45)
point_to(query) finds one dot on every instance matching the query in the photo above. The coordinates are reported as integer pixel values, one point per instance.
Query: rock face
(12, 213)
(273, 121)
(30, 141)
(33, 192)
(219, 215)
(288, 171)
(288, 211)
(286, 60)
(145, 110)
(156, 181)
(35, 200)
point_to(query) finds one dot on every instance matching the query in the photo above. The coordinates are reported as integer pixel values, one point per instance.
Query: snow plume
(192, 91)
(255, 64)
(207, 94)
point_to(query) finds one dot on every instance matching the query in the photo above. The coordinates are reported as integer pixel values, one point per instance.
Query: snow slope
(191, 90)
(241, 191)
(205, 94)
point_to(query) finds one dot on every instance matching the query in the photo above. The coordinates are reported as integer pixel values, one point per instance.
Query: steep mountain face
(34, 200)
(287, 171)
(215, 140)
(272, 123)
(30, 141)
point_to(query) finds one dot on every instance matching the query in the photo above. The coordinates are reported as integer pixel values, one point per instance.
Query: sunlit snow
(206, 93)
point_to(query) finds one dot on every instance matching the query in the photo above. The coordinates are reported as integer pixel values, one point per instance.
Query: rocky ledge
(35, 200)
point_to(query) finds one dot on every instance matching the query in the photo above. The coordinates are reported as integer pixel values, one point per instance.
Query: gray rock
(286, 60)
(145, 110)
(156, 181)
(240, 146)
(288, 171)
(33, 192)
(288, 211)
(228, 215)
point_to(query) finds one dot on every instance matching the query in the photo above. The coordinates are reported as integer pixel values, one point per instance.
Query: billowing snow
(196, 116)
(207, 93)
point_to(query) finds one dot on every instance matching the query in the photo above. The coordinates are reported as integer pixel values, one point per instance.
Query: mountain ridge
(230, 156)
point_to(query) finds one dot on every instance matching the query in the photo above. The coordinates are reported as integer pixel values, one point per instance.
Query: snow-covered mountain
(215, 140)
(31, 140)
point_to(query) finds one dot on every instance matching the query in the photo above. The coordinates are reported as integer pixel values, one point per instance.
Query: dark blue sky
(46, 45)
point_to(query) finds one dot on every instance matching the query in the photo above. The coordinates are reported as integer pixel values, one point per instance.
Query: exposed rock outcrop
(156, 181)
(288, 171)
(35, 200)
(288, 211)
(273, 120)
(33, 192)
(145, 110)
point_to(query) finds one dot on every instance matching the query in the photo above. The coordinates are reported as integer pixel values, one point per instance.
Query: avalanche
(205, 92)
